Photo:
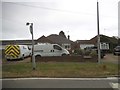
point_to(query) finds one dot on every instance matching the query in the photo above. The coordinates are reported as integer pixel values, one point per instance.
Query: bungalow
(57, 39)
(106, 43)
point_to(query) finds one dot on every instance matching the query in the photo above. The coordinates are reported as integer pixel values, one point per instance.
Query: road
(61, 83)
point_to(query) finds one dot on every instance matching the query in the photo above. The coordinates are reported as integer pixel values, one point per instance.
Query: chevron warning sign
(12, 51)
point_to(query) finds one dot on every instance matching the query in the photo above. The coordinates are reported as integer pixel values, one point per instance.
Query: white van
(47, 49)
(17, 51)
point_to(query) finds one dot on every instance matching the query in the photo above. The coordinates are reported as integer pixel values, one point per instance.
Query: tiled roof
(59, 39)
(44, 39)
(104, 38)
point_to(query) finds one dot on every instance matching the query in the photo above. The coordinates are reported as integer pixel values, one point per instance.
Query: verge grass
(59, 69)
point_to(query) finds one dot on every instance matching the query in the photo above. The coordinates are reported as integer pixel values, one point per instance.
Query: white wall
(82, 46)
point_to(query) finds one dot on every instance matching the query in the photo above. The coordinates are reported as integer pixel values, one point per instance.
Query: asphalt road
(61, 83)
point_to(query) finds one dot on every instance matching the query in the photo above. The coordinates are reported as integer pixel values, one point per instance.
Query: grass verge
(60, 69)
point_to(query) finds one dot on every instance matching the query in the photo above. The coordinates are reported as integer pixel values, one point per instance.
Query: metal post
(98, 36)
(33, 57)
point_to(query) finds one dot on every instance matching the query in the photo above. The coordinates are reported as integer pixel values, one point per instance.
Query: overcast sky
(77, 18)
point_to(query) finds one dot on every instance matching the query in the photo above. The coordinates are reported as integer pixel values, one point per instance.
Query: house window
(104, 46)
(65, 47)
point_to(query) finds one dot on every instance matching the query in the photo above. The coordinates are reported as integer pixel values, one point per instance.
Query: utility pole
(98, 36)
(33, 57)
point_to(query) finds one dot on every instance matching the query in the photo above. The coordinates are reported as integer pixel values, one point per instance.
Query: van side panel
(24, 51)
(43, 50)
(49, 50)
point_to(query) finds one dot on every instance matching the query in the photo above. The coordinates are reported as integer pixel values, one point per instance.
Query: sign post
(33, 57)
(98, 36)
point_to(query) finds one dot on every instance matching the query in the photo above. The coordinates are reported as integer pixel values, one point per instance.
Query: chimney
(68, 37)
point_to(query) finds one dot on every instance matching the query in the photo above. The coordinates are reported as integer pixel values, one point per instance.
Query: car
(116, 50)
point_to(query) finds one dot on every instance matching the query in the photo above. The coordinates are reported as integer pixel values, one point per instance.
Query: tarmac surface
(111, 83)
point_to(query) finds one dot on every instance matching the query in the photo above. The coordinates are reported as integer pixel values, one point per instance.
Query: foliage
(93, 53)
(78, 51)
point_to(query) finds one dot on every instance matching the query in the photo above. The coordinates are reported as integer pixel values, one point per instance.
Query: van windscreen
(57, 47)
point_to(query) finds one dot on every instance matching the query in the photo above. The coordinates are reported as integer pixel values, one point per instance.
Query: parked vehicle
(94, 48)
(17, 52)
(116, 50)
(47, 49)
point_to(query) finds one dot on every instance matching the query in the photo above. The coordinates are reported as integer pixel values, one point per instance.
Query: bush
(86, 53)
(78, 52)
(93, 53)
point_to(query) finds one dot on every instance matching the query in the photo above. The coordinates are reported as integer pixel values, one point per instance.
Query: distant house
(64, 42)
(57, 39)
(106, 43)
(53, 39)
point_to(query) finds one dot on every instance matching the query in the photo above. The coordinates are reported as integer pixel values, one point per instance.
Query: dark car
(116, 50)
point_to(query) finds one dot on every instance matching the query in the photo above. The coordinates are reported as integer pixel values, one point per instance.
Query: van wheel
(37, 57)
(114, 53)
(64, 54)
(23, 57)
(30, 54)
(8, 59)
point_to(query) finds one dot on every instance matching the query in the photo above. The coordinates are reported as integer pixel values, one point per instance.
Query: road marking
(112, 78)
(115, 85)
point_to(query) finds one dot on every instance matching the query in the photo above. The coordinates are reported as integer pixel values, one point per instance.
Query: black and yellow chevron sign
(12, 51)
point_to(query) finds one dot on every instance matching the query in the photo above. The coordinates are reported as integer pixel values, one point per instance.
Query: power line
(58, 10)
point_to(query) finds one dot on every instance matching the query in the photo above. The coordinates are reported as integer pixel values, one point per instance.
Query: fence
(66, 59)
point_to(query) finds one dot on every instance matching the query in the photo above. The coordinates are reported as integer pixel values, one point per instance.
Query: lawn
(60, 69)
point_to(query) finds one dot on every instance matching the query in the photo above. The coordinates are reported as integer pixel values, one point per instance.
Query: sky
(77, 18)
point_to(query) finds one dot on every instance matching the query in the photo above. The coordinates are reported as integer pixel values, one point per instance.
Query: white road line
(112, 78)
(115, 85)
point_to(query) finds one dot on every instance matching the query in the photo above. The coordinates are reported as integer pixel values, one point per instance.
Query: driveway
(111, 58)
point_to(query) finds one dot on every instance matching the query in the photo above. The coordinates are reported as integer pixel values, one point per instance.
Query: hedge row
(66, 59)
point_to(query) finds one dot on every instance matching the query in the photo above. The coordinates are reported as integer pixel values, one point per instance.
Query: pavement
(110, 82)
